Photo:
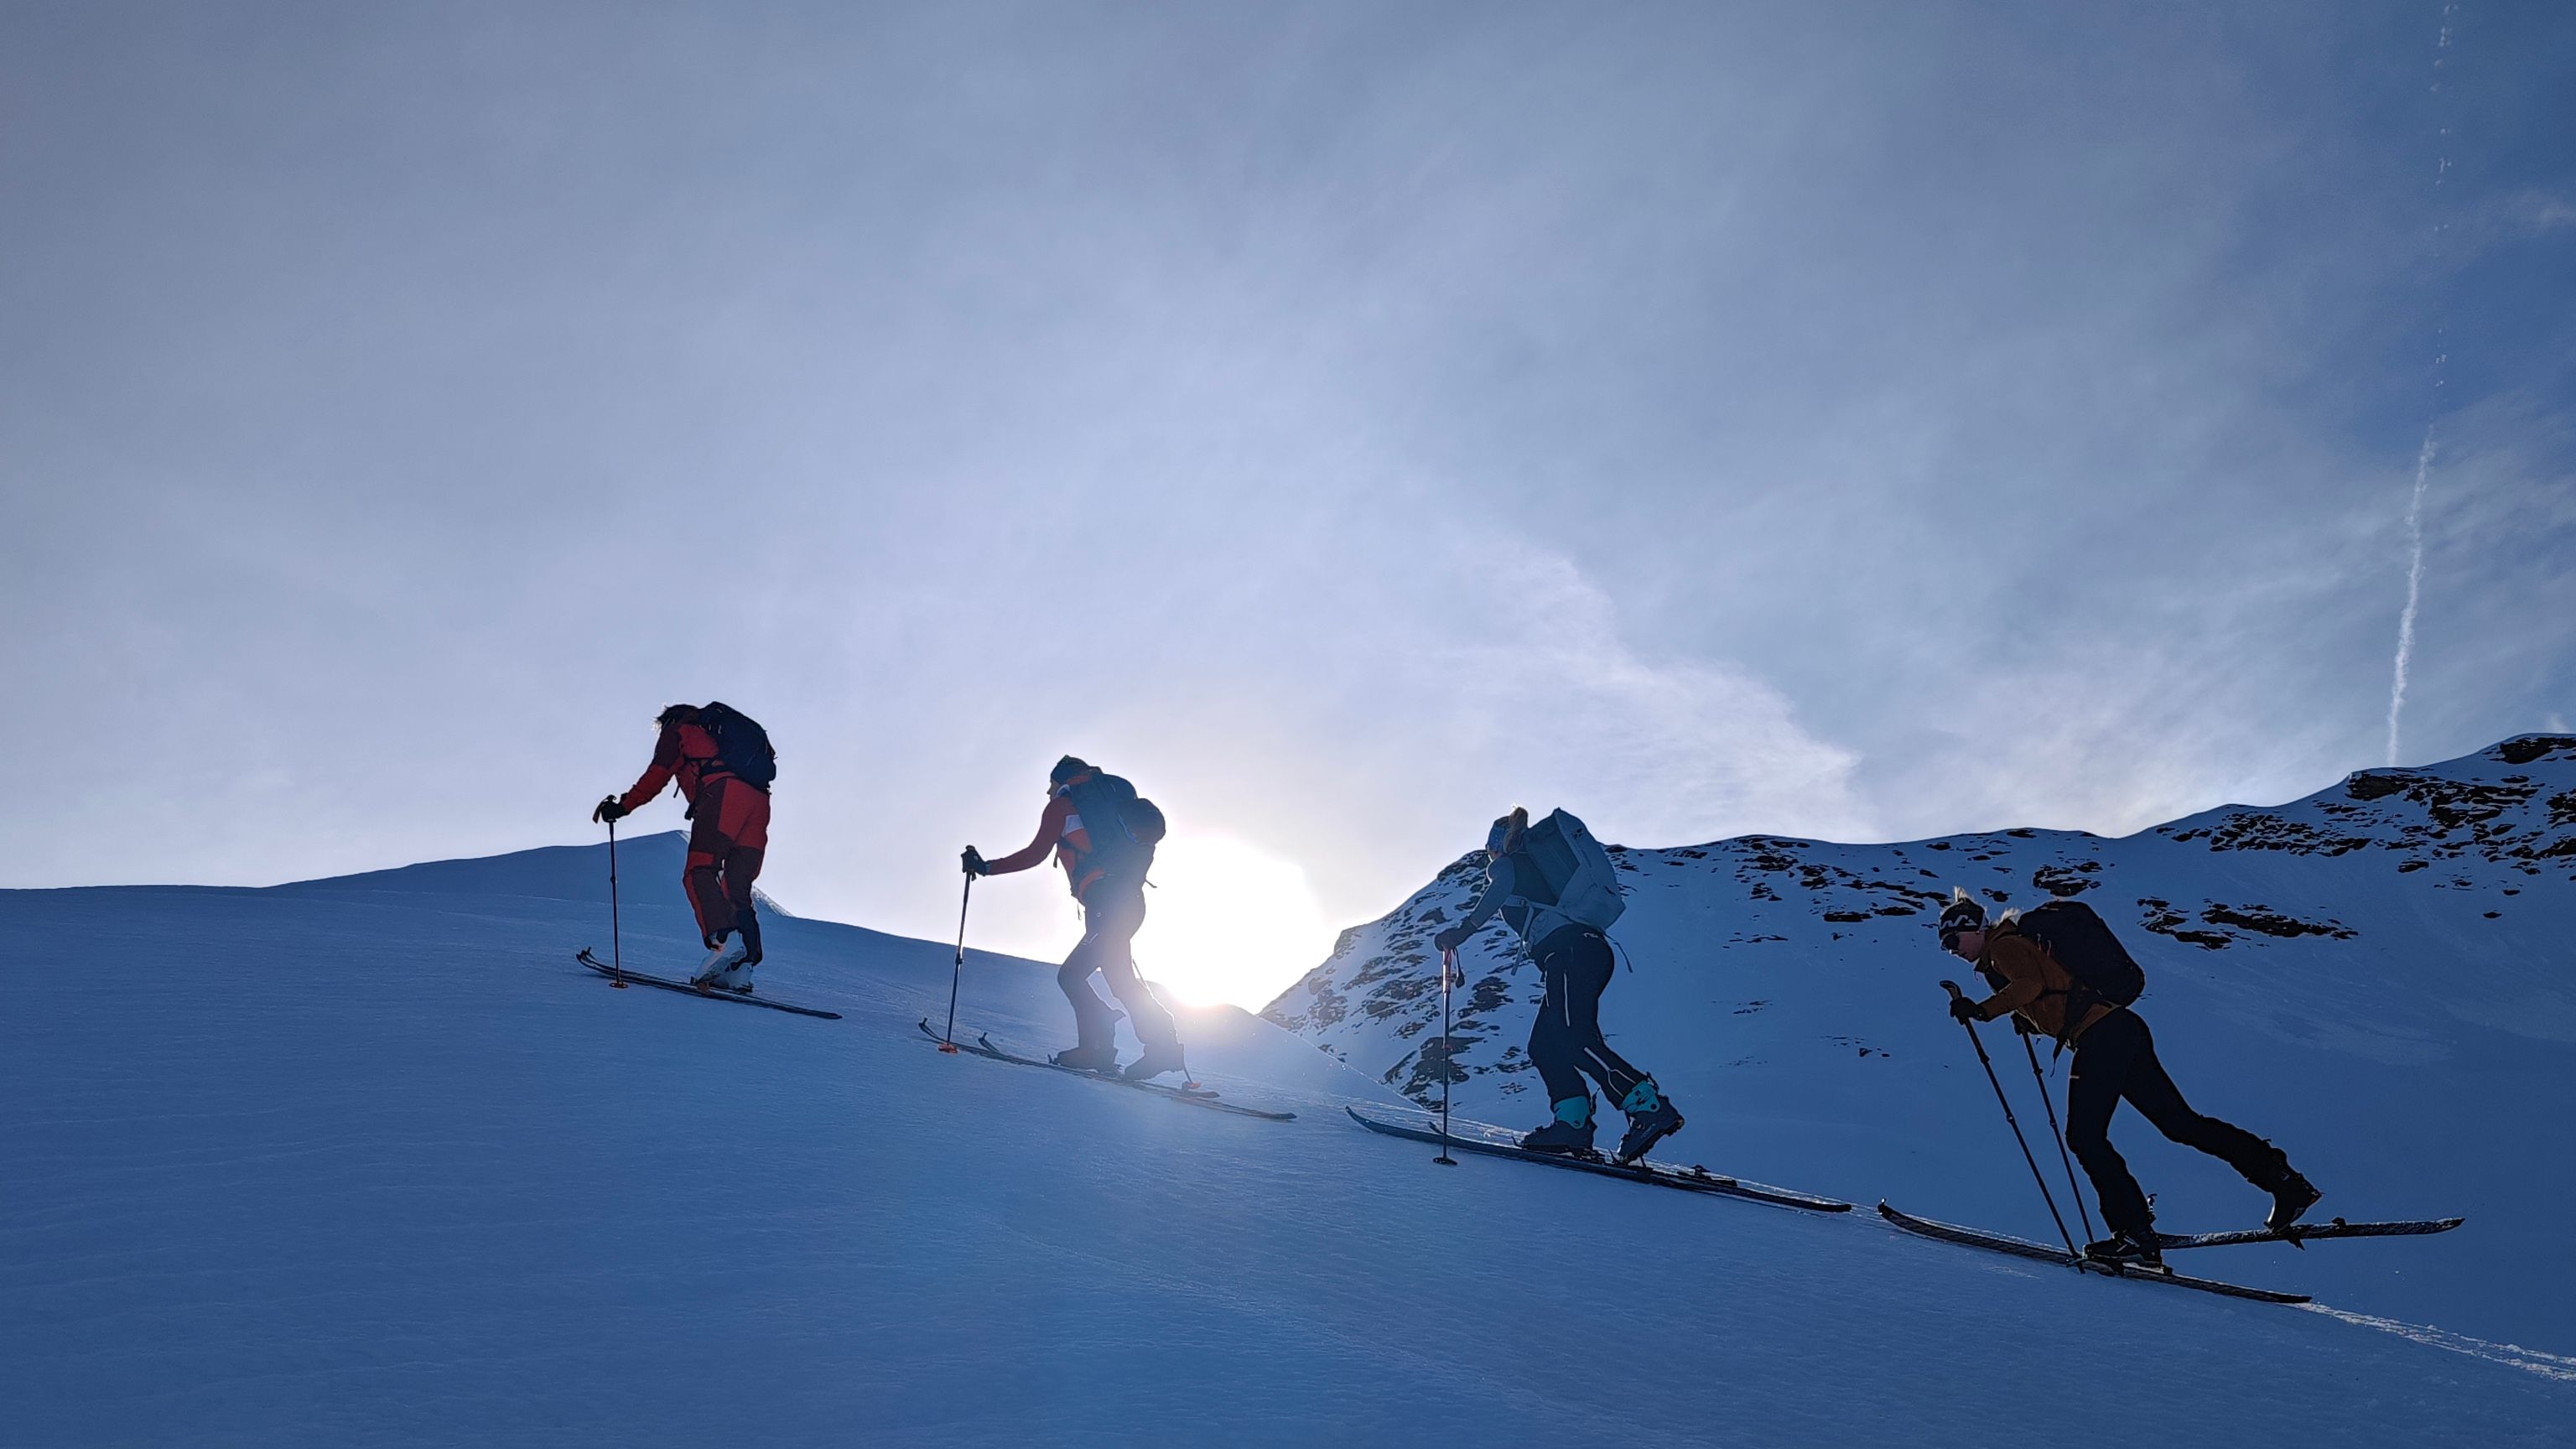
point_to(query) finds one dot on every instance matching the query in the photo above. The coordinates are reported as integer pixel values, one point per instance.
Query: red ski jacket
(685, 751)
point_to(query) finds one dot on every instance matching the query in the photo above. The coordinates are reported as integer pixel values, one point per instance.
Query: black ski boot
(1087, 1059)
(1651, 1119)
(2129, 1250)
(2292, 1196)
(1570, 1133)
(1156, 1061)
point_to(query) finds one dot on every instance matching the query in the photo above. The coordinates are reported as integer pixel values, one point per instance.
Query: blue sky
(1867, 421)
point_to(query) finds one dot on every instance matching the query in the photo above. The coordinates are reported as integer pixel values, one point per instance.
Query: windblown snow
(373, 1161)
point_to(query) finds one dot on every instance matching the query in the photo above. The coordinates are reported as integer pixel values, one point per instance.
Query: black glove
(1451, 939)
(609, 809)
(1964, 1012)
(973, 863)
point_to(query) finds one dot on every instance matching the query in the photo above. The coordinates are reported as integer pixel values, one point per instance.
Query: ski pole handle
(1953, 988)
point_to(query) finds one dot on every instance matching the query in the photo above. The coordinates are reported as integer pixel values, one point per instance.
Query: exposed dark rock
(2271, 922)
(2062, 882)
(2532, 747)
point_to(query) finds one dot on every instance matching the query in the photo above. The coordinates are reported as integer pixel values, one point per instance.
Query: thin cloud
(1661, 751)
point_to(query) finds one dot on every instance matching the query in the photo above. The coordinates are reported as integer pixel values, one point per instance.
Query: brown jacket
(2029, 981)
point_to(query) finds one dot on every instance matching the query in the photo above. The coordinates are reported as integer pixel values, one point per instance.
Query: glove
(1450, 940)
(1964, 1011)
(973, 863)
(609, 809)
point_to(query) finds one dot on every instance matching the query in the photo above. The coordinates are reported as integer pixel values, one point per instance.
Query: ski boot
(1651, 1119)
(1571, 1132)
(736, 978)
(1156, 1061)
(1087, 1059)
(2292, 1196)
(2124, 1249)
(722, 957)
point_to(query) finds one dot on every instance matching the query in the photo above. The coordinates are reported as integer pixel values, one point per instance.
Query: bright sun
(1227, 923)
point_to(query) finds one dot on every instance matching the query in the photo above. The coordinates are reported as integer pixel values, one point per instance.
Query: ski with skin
(2309, 1232)
(638, 978)
(1480, 1137)
(1202, 1097)
(2043, 1253)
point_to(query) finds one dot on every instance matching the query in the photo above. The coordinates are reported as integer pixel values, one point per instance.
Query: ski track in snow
(2547, 1365)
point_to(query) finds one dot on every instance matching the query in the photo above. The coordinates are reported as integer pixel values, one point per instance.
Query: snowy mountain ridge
(2378, 976)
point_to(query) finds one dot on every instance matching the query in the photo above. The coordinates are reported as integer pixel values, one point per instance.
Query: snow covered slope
(2381, 977)
(373, 1162)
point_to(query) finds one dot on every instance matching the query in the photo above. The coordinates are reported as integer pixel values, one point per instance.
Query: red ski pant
(728, 835)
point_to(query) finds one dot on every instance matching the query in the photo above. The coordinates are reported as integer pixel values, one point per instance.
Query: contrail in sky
(2423, 458)
(2414, 592)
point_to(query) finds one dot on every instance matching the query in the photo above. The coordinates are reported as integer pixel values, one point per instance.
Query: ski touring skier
(1553, 885)
(2084, 1006)
(1103, 833)
(724, 765)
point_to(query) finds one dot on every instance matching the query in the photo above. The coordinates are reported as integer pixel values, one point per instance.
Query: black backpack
(741, 744)
(2077, 938)
(1124, 826)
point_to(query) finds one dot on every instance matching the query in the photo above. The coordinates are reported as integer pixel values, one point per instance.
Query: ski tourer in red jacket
(728, 836)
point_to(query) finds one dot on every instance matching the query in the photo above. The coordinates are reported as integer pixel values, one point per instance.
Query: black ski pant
(2116, 1059)
(1565, 1043)
(1111, 917)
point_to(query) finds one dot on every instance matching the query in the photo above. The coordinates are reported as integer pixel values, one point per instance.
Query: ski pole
(948, 1041)
(2015, 1123)
(2063, 1159)
(1448, 1068)
(616, 937)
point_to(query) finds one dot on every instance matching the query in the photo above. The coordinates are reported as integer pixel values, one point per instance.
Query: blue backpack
(1124, 826)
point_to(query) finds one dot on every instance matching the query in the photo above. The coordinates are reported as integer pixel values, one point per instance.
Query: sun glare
(1227, 923)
